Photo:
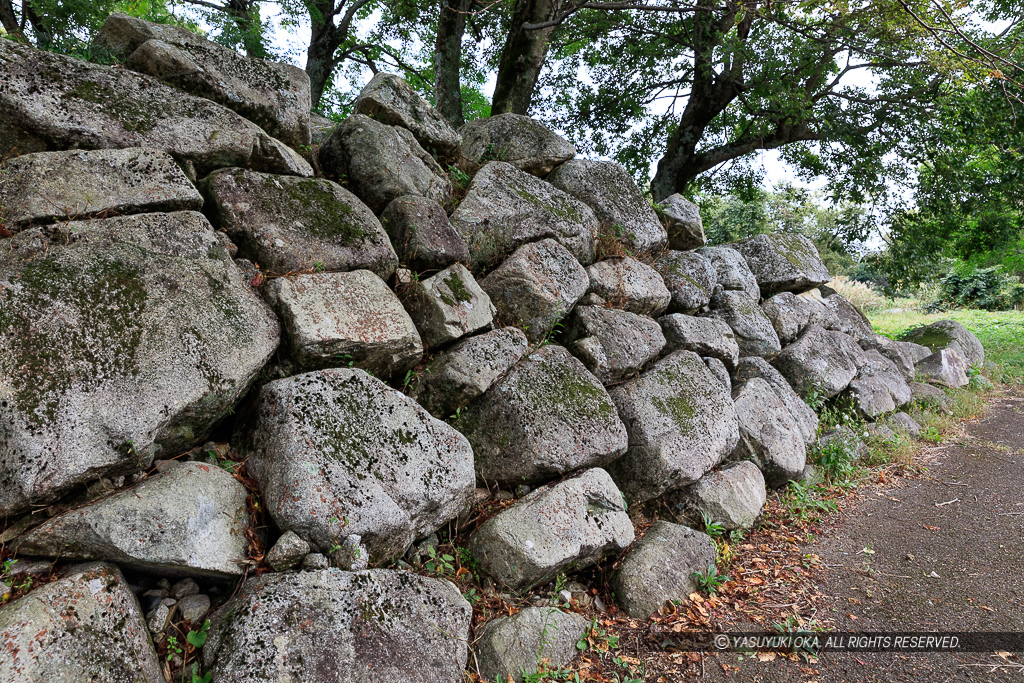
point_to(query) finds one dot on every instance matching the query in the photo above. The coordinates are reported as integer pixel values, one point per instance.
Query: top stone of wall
(272, 95)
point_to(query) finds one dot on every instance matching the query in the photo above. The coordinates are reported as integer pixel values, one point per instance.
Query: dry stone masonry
(218, 366)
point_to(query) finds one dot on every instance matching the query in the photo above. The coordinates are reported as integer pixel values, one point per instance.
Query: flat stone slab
(45, 187)
(191, 519)
(783, 262)
(527, 144)
(338, 319)
(52, 102)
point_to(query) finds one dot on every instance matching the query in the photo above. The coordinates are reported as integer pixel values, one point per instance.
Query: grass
(1000, 332)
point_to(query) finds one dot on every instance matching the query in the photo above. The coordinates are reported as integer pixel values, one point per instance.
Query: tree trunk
(7, 18)
(451, 26)
(246, 15)
(43, 36)
(522, 57)
(319, 62)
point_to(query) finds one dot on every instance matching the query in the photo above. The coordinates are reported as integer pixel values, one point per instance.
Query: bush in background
(989, 289)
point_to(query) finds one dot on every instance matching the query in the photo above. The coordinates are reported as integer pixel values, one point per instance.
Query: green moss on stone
(134, 117)
(458, 288)
(321, 211)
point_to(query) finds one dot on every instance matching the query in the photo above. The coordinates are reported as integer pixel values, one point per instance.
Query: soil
(943, 551)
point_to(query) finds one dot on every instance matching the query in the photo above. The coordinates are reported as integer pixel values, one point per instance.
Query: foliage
(597, 638)
(989, 289)
(197, 637)
(803, 502)
(709, 581)
(835, 460)
(711, 527)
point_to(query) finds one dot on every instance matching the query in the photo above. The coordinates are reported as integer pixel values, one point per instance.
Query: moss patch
(134, 117)
(458, 288)
(322, 212)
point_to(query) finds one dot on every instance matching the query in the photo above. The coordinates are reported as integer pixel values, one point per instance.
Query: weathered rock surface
(704, 336)
(732, 272)
(660, 568)
(612, 344)
(81, 628)
(946, 367)
(421, 234)
(754, 332)
(896, 352)
(904, 423)
(536, 287)
(389, 99)
(333, 319)
(608, 189)
(769, 435)
(272, 95)
(916, 352)
(681, 423)
(291, 224)
(879, 386)
(366, 626)
(320, 128)
(546, 417)
(848, 318)
(120, 339)
(52, 102)
(843, 439)
(381, 163)
(527, 144)
(557, 528)
(630, 285)
(718, 369)
(506, 208)
(337, 452)
(448, 305)
(289, 551)
(48, 186)
(468, 369)
(791, 314)
(930, 396)
(509, 646)
(820, 361)
(190, 519)
(685, 228)
(732, 497)
(949, 334)
(803, 415)
(690, 279)
(783, 262)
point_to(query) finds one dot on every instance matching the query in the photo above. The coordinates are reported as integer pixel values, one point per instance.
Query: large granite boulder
(732, 272)
(86, 626)
(946, 367)
(791, 314)
(52, 102)
(690, 279)
(506, 208)
(555, 529)
(335, 319)
(630, 285)
(769, 436)
(527, 144)
(681, 423)
(468, 369)
(608, 189)
(731, 497)
(685, 228)
(546, 417)
(190, 519)
(338, 452)
(289, 224)
(272, 95)
(660, 568)
(372, 625)
(612, 344)
(879, 386)
(513, 647)
(820, 362)
(389, 99)
(783, 262)
(754, 332)
(847, 318)
(120, 339)
(421, 234)
(949, 334)
(707, 337)
(448, 305)
(894, 351)
(536, 287)
(58, 186)
(803, 415)
(381, 163)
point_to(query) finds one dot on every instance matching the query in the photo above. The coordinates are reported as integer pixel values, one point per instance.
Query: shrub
(989, 289)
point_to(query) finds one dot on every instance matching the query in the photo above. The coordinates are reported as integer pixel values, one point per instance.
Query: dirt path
(944, 552)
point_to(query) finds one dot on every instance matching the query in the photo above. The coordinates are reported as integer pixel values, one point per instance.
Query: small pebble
(183, 588)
